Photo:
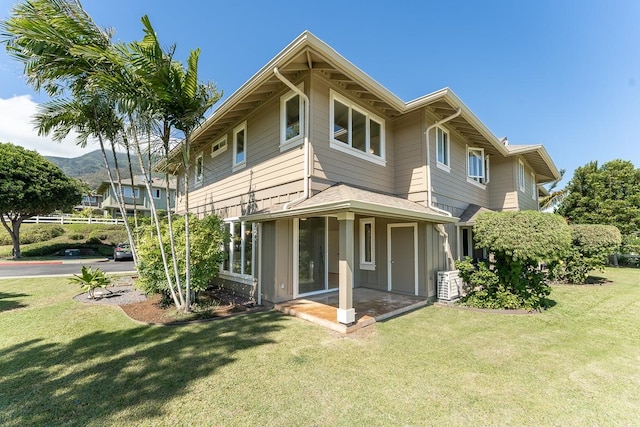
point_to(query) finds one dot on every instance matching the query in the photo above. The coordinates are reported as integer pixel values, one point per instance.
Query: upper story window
(129, 193)
(291, 120)
(442, 149)
(156, 193)
(534, 187)
(240, 147)
(367, 244)
(199, 172)
(521, 175)
(356, 131)
(219, 147)
(477, 166)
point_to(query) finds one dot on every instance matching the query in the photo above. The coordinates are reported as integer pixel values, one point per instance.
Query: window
(156, 193)
(442, 149)
(239, 250)
(534, 187)
(129, 193)
(367, 244)
(291, 120)
(199, 172)
(521, 175)
(240, 147)
(219, 147)
(356, 131)
(477, 166)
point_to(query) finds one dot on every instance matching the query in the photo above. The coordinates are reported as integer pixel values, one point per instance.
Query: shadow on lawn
(133, 373)
(7, 301)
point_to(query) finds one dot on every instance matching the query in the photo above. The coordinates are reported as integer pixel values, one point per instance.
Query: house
(328, 181)
(90, 201)
(137, 195)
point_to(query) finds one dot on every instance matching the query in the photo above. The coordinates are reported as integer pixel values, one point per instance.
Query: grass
(62, 362)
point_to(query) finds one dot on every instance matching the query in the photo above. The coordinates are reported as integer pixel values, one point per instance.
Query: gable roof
(307, 52)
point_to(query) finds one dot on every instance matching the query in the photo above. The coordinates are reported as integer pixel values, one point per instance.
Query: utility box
(72, 252)
(449, 285)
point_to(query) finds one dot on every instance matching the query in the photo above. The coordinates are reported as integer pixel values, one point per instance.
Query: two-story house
(138, 196)
(328, 181)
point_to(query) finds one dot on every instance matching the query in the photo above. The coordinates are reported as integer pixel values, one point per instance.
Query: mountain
(90, 167)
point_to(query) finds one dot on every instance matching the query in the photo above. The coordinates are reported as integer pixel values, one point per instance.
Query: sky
(562, 73)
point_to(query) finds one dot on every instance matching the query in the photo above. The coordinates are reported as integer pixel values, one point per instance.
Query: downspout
(428, 175)
(439, 227)
(305, 194)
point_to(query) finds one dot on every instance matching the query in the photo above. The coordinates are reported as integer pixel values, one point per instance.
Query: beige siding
(503, 191)
(525, 199)
(435, 257)
(270, 177)
(451, 189)
(336, 166)
(410, 157)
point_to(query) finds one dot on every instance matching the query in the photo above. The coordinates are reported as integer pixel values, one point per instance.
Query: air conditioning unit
(449, 285)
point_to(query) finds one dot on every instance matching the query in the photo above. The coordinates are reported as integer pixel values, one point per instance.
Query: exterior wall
(527, 199)
(143, 202)
(503, 187)
(329, 165)
(451, 190)
(269, 177)
(410, 157)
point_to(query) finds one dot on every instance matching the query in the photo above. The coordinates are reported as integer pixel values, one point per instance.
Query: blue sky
(562, 73)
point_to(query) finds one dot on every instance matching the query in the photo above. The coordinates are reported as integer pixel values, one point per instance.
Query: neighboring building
(329, 181)
(137, 196)
(92, 201)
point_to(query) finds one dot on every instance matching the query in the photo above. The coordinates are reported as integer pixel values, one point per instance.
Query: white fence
(72, 220)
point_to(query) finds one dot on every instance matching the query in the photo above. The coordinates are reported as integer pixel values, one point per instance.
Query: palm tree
(555, 197)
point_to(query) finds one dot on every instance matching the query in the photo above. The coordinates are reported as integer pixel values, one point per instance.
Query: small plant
(91, 279)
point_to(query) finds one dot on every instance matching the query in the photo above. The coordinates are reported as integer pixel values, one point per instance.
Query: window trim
(135, 192)
(198, 176)
(286, 144)
(222, 147)
(348, 148)
(239, 165)
(484, 179)
(158, 192)
(534, 187)
(364, 264)
(444, 166)
(521, 175)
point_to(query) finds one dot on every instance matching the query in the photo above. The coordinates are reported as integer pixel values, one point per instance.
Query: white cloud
(16, 126)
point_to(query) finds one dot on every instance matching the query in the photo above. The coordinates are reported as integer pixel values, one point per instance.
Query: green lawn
(62, 362)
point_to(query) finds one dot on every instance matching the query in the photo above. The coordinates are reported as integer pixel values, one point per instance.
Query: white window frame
(157, 193)
(364, 264)
(135, 191)
(348, 148)
(521, 175)
(285, 143)
(219, 147)
(446, 166)
(230, 274)
(479, 180)
(198, 175)
(534, 187)
(237, 165)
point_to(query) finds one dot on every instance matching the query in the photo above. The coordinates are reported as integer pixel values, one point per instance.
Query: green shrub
(98, 234)
(592, 245)
(518, 243)
(40, 233)
(76, 236)
(207, 236)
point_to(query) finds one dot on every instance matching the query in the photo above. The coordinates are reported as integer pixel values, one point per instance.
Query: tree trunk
(187, 238)
(14, 232)
(123, 208)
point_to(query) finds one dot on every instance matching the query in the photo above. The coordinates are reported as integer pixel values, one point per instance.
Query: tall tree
(607, 194)
(31, 185)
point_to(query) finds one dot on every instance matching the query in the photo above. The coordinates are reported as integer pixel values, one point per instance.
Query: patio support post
(346, 312)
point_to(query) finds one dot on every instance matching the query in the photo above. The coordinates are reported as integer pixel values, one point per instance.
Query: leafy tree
(31, 185)
(607, 194)
(207, 237)
(592, 244)
(518, 242)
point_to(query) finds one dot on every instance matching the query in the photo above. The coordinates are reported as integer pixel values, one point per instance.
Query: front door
(403, 273)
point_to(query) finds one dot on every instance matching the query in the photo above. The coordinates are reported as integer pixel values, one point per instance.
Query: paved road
(60, 268)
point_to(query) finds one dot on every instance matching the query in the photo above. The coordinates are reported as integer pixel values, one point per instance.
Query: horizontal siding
(502, 185)
(453, 185)
(525, 199)
(336, 166)
(410, 156)
(269, 177)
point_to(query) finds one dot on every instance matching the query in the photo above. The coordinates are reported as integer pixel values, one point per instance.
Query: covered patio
(370, 306)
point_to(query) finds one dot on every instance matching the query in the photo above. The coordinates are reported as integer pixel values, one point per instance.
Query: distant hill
(90, 167)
